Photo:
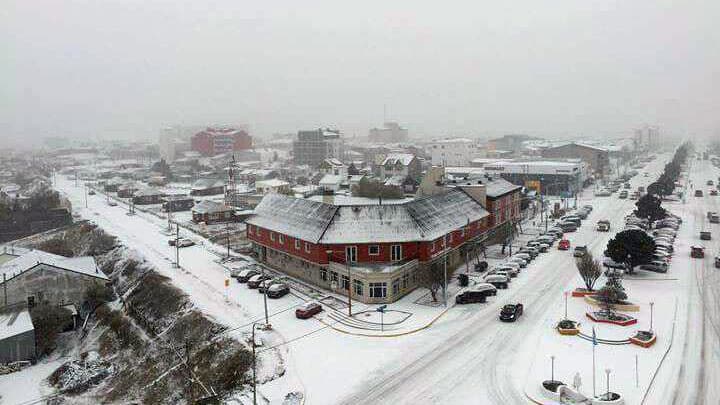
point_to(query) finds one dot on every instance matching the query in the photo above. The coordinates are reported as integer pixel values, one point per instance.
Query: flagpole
(594, 342)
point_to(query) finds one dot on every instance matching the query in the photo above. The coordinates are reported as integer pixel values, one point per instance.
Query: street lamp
(651, 315)
(566, 299)
(330, 253)
(607, 393)
(552, 368)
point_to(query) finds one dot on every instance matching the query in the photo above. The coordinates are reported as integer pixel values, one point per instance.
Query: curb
(429, 324)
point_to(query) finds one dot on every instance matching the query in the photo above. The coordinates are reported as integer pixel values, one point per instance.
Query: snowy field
(466, 355)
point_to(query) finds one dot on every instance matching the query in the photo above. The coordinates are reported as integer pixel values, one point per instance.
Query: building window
(307, 247)
(250, 229)
(396, 286)
(396, 253)
(333, 276)
(281, 239)
(351, 254)
(345, 283)
(297, 244)
(323, 275)
(272, 236)
(357, 287)
(405, 281)
(378, 290)
(374, 250)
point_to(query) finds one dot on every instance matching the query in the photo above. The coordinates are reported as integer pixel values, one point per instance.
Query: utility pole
(254, 367)
(445, 270)
(227, 235)
(349, 289)
(267, 321)
(177, 245)
(86, 205)
(5, 289)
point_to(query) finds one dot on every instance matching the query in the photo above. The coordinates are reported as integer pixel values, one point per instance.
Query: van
(470, 297)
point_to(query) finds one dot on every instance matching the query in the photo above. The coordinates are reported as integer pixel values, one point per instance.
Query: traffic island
(614, 318)
(609, 398)
(581, 292)
(568, 327)
(551, 389)
(644, 338)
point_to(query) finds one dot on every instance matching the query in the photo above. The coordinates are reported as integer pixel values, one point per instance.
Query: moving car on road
(580, 251)
(603, 225)
(698, 193)
(511, 312)
(564, 244)
(307, 310)
(697, 252)
(183, 242)
(717, 262)
(705, 235)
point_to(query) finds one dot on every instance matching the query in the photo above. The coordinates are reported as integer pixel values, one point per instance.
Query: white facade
(166, 143)
(452, 152)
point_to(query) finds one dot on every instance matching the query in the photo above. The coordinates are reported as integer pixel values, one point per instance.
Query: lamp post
(552, 368)
(607, 392)
(651, 315)
(330, 253)
(566, 297)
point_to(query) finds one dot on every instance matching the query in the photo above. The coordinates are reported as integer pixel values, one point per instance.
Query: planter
(613, 318)
(550, 389)
(625, 307)
(610, 398)
(581, 292)
(568, 327)
(644, 338)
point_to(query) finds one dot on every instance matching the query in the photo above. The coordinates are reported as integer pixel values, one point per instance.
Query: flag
(594, 341)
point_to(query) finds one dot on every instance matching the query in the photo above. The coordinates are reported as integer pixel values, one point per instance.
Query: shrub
(48, 321)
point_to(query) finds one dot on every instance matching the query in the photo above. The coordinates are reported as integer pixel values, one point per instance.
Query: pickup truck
(511, 312)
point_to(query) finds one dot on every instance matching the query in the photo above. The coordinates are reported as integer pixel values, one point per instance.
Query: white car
(520, 261)
(510, 264)
(184, 242)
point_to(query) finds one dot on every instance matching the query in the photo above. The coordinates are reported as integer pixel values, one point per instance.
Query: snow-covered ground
(467, 355)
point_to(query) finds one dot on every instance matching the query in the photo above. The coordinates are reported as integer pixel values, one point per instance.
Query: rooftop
(13, 323)
(19, 260)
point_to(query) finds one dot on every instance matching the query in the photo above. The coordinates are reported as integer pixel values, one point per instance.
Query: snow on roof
(585, 145)
(296, 217)
(371, 223)
(454, 140)
(331, 179)
(210, 207)
(334, 162)
(13, 323)
(395, 181)
(147, 192)
(439, 214)
(203, 184)
(498, 187)
(28, 259)
(395, 158)
(271, 183)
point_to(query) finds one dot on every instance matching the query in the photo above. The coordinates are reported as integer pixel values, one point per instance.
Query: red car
(564, 244)
(307, 310)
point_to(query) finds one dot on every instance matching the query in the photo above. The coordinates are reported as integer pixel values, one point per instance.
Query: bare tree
(589, 269)
(432, 277)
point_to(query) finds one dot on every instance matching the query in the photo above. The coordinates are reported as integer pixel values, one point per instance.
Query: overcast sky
(551, 68)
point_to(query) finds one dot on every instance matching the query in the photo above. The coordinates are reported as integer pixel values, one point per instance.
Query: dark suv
(470, 297)
(511, 312)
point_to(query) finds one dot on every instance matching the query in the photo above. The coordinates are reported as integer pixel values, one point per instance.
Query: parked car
(715, 219)
(267, 284)
(470, 297)
(652, 267)
(660, 244)
(183, 242)
(581, 214)
(623, 195)
(254, 281)
(278, 290)
(705, 235)
(710, 183)
(511, 312)
(603, 193)
(509, 270)
(588, 207)
(519, 260)
(486, 288)
(244, 275)
(499, 281)
(568, 227)
(91, 192)
(529, 250)
(112, 203)
(580, 251)
(713, 192)
(307, 310)
(717, 262)
(626, 185)
(564, 244)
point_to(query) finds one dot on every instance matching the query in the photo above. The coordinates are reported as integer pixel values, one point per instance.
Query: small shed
(175, 203)
(17, 336)
(147, 196)
(212, 212)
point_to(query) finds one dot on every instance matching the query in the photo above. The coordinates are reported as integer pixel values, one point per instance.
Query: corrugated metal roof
(27, 259)
(441, 213)
(296, 217)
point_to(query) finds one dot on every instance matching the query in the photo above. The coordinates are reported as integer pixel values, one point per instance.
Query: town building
(314, 146)
(646, 138)
(598, 158)
(212, 212)
(147, 196)
(376, 250)
(176, 203)
(548, 177)
(400, 165)
(333, 166)
(452, 152)
(272, 186)
(17, 335)
(391, 132)
(218, 141)
(33, 277)
(208, 187)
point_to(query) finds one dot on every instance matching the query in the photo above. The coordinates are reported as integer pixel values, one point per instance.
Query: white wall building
(452, 152)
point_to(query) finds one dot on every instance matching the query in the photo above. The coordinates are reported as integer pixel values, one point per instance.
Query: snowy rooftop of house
(341, 199)
(454, 140)
(202, 184)
(334, 162)
(395, 158)
(321, 222)
(26, 259)
(147, 192)
(583, 145)
(331, 179)
(271, 183)
(210, 207)
(13, 323)
(395, 181)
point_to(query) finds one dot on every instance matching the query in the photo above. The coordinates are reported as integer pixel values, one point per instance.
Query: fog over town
(326, 202)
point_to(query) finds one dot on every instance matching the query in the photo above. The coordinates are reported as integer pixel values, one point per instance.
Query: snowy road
(482, 360)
